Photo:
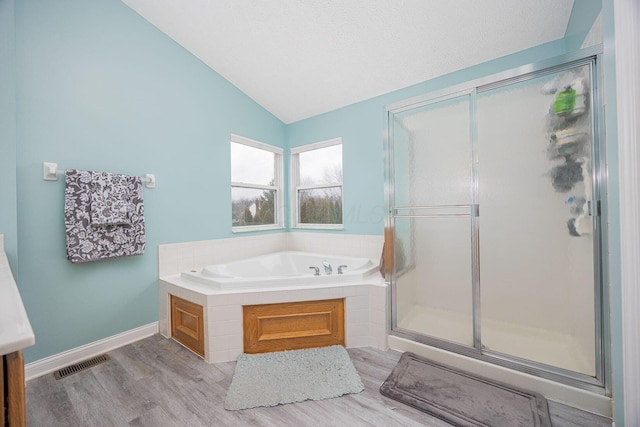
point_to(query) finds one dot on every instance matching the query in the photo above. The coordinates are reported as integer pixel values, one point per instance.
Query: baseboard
(57, 361)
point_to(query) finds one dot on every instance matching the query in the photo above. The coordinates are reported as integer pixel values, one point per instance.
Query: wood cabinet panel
(187, 324)
(14, 412)
(293, 325)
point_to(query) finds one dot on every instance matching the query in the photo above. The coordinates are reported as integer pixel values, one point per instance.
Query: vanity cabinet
(187, 324)
(12, 394)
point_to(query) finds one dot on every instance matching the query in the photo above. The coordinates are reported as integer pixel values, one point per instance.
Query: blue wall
(100, 88)
(8, 210)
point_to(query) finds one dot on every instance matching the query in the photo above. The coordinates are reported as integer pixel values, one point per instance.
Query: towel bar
(50, 172)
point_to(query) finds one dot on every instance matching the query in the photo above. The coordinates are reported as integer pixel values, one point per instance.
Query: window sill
(249, 228)
(319, 226)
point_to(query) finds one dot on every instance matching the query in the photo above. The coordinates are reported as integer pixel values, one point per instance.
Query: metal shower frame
(601, 382)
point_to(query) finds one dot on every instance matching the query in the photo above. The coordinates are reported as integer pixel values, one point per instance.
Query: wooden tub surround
(187, 324)
(293, 325)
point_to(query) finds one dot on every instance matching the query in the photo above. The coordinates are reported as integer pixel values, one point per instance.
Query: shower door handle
(593, 207)
(431, 211)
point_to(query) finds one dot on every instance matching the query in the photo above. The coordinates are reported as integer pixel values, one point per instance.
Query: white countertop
(15, 329)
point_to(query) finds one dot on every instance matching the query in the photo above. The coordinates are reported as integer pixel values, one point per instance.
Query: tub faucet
(316, 272)
(341, 268)
(327, 267)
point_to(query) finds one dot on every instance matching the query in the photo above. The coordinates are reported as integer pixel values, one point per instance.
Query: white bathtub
(282, 269)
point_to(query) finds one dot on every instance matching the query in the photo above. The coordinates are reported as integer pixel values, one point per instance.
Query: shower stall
(495, 237)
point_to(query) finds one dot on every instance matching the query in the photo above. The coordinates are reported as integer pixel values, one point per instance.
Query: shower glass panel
(432, 164)
(536, 238)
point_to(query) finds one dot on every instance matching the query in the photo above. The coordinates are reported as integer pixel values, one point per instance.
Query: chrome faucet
(327, 267)
(341, 268)
(316, 270)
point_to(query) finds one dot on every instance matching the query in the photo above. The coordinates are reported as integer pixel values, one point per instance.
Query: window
(256, 185)
(317, 182)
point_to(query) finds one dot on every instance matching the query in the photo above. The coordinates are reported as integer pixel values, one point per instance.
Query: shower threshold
(535, 344)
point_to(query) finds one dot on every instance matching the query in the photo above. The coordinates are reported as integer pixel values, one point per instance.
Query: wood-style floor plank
(156, 382)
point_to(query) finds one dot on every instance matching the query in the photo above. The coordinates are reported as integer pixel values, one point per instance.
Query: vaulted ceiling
(300, 58)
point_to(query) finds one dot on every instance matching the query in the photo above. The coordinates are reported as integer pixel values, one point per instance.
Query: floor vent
(72, 369)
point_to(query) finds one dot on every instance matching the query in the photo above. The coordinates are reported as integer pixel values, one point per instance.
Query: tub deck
(282, 269)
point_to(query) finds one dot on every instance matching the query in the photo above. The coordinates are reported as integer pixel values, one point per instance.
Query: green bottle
(565, 101)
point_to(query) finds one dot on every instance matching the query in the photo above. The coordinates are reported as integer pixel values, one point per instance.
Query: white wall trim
(57, 361)
(627, 54)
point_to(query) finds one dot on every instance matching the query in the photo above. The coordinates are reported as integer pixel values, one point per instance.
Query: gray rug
(463, 399)
(271, 379)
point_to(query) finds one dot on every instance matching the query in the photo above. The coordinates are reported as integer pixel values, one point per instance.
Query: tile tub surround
(365, 302)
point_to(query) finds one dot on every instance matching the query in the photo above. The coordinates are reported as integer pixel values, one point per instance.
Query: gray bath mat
(271, 379)
(461, 398)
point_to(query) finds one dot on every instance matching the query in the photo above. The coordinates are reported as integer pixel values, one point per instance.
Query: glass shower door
(431, 203)
(537, 236)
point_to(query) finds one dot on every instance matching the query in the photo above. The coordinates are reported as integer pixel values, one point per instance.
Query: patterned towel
(87, 242)
(111, 198)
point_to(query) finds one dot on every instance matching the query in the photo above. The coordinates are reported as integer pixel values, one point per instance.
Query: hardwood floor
(156, 382)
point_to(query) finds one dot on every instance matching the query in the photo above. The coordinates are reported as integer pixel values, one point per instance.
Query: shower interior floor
(539, 345)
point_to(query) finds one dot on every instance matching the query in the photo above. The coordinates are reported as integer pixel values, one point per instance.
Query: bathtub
(282, 269)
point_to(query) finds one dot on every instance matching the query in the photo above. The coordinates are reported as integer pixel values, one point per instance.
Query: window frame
(278, 167)
(296, 187)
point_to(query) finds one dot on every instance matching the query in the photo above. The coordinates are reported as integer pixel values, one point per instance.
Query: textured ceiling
(300, 58)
